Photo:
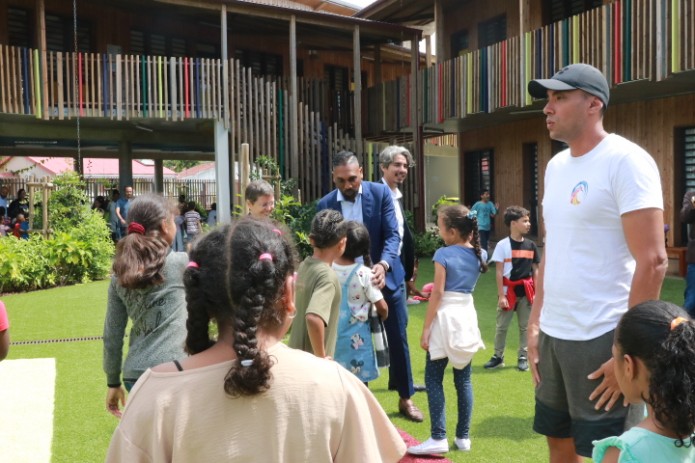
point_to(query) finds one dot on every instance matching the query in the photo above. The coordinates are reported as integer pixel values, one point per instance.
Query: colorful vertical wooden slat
(675, 36)
(37, 85)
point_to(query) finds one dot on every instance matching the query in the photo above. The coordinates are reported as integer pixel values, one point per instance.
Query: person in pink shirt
(4, 332)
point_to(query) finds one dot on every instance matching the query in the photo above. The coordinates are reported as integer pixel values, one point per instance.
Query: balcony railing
(628, 40)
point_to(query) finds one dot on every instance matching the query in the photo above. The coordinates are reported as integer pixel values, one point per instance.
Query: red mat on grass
(410, 441)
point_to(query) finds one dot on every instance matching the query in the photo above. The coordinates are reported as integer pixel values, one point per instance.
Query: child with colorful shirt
(353, 348)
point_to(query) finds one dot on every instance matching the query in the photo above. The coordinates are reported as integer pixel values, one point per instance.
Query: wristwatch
(384, 264)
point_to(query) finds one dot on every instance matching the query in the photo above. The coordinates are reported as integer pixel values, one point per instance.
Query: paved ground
(27, 391)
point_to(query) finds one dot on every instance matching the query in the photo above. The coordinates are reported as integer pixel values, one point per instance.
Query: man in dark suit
(371, 204)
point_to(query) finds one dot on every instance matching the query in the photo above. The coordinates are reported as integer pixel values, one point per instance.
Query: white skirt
(455, 334)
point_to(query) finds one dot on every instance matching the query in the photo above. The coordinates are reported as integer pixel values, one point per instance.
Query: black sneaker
(494, 362)
(522, 364)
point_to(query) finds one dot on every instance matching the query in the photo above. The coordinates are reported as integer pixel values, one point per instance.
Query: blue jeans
(689, 303)
(484, 236)
(434, 378)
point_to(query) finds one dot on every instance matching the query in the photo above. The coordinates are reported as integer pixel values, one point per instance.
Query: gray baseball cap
(575, 76)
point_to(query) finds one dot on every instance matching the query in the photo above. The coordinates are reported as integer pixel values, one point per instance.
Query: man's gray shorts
(563, 408)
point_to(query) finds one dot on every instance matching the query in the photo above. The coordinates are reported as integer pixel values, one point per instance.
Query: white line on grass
(27, 389)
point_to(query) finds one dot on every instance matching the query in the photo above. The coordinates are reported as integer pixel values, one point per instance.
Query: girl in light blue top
(450, 333)
(654, 352)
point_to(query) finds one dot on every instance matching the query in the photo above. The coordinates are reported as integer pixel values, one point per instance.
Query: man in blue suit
(371, 204)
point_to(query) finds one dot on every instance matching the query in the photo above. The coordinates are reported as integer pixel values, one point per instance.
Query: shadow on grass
(506, 427)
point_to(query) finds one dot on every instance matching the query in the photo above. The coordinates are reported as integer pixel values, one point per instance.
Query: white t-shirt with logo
(588, 266)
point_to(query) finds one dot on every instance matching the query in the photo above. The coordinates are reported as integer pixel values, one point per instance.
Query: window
(147, 43)
(459, 43)
(19, 28)
(685, 155)
(60, 34)
(492, 31)
(556, 10)
(478, 175)
(338, 81)
(261, 64)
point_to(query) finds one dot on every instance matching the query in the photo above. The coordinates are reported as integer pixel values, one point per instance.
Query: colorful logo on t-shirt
(579, 193)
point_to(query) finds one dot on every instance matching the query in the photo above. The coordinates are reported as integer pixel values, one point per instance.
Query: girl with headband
(147, 288)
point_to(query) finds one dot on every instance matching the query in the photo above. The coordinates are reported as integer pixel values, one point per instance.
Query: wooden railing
(127, 87)
(628, 40)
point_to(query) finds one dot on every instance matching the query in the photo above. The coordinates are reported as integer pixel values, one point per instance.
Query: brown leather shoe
(410, 410)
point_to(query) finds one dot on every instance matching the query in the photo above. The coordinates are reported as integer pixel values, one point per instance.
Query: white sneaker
(429, 447)
(463, 444)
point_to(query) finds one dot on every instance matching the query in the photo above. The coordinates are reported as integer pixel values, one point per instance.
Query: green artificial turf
(502, 414)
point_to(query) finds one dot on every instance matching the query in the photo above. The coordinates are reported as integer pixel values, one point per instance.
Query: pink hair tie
(193, 264)
(278, 231)
(134, 227)
(265, 256)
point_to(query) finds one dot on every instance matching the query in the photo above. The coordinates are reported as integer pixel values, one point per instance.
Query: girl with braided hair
(450, 333)
(654, 352)
(147, 288)
(246, 396)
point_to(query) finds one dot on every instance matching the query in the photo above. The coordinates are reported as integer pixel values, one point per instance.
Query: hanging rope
(75, 84)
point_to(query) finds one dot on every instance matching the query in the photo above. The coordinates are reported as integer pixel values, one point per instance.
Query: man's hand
(608, 392)
(378, 276)
(532, 343)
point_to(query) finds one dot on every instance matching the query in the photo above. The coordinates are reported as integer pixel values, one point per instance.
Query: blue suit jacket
(379, 217)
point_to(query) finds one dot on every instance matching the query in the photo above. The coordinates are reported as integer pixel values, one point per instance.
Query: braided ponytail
(203, 278)
(261, 258)
(475, 241)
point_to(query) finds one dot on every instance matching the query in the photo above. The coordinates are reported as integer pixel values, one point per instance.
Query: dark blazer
(379, 217)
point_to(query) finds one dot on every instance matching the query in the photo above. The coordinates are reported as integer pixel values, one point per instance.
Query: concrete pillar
(222, 162)
(158, 176)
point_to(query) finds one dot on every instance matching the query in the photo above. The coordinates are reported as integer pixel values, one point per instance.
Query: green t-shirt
(317, 292)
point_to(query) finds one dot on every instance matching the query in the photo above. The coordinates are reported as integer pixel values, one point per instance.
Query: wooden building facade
(487, 52)
(175, 79)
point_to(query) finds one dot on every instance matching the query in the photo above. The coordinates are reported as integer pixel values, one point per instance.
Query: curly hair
(140, 257)
(261, 257)
(357, 243)
(327, 228)
(646, 332)
(457, 217)
(206, 294)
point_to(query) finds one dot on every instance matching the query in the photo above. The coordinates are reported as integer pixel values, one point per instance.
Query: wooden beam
(357, 94)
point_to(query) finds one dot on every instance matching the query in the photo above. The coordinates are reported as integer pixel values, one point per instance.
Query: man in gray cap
(604, 253)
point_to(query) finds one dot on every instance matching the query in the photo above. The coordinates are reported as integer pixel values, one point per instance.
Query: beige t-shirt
(314, 411)
(318, 293)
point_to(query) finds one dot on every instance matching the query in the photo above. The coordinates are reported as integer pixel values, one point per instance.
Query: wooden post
(357, 95)
(245, 173)
(294, 136)
(41, 18)
(415, 111)
(439, 30)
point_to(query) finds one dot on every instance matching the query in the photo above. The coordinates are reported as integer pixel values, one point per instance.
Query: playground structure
(45, 188)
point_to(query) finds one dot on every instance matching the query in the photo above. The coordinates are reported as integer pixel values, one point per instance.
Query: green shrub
(298, 218)
(24, 265)
(426, 243)
(79, 249)
(443, 201)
